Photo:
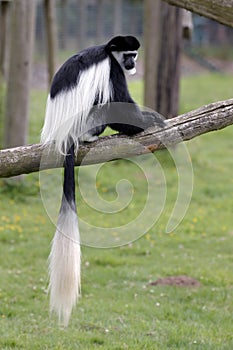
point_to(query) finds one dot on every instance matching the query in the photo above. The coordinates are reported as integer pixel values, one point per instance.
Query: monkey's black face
(127, 60)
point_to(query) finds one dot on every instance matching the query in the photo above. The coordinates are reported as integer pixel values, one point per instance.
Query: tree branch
(219, 10)
(32, 158)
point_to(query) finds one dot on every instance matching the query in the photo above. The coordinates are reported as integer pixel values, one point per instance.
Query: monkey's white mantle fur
(67, 113)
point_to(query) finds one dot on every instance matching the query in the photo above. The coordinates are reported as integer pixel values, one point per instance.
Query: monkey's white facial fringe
(119, 57)
(67, 113)
(64, 266)
(131, 71)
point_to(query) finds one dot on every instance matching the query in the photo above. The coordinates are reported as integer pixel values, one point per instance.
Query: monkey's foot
(88, 138)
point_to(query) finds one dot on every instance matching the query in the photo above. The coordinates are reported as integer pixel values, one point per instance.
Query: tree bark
(215, 116)
(219, 10)
(17, 96)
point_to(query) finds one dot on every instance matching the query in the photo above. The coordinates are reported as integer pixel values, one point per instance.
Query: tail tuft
(65, 265)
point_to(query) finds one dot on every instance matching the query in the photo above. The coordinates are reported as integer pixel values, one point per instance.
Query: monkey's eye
(129, 55)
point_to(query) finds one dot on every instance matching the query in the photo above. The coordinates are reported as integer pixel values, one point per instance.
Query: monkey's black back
(67, 76)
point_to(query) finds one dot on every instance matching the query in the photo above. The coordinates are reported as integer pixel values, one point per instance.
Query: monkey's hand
(152, 118)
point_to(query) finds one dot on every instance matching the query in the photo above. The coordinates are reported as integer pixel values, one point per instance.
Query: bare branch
(215, 116)
(219, 10)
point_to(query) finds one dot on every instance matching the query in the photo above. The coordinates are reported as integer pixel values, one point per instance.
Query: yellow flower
(17, 218)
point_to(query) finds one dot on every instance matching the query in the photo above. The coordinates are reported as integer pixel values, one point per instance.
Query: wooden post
(187, 24)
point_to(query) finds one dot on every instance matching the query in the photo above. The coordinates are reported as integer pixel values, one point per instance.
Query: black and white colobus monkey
(94, 76)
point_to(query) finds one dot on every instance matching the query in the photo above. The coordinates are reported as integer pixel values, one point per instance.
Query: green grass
(222, 53)
(207, 88)
(118, 308)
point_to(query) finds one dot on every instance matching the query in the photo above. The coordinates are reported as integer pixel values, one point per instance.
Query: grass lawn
(119, 309)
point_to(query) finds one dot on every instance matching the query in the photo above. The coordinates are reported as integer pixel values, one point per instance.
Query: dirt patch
(179, 281)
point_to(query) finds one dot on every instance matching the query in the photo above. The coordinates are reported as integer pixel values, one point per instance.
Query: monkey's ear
(112, 47)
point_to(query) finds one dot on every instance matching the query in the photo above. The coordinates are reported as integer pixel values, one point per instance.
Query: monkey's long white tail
(65, 255)
(64, 266)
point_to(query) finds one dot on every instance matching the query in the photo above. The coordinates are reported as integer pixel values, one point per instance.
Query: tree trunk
(4, 11)
(152, 43)
(169, 61)
(163, 66)
(51, 28)
(17, 97)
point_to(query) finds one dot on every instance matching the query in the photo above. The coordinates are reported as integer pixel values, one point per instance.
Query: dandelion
(148, 236)
(17, 218)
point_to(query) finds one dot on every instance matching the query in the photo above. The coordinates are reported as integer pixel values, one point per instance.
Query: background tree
(17, 97)
(4, 33)
(163, 36)
(4, 13)
(50, 19)
(152, 37)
